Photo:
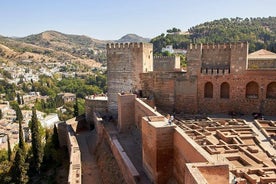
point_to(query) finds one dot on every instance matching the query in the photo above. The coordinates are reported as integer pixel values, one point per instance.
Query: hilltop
(259, 32)
(133, 38)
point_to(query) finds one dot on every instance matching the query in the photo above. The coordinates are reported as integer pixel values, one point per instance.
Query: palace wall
(239, 99)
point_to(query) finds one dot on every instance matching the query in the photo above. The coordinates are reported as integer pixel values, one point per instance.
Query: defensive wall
(104, 133)
(67, 138)
(204, 151)
(165, 148)
(93, 104)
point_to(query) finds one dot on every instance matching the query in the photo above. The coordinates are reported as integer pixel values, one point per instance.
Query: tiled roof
(262, 54)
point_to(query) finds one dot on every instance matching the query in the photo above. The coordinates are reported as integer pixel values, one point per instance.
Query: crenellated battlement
(168, 58)
(119, 46)
(195, 46)
(234, 45)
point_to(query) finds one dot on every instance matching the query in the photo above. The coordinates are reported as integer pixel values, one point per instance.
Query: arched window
(271, 90)
(224, 90)
(252, 90)
(208, 90)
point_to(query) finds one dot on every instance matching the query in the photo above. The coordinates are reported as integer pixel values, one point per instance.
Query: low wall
(142, 109)
(186, 151)
(74, 176)
(67, 138)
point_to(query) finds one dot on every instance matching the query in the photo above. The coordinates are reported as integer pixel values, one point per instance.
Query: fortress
(220, 78)
(194, 148)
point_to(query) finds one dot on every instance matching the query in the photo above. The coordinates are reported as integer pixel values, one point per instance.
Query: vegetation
(259, 32)
(37, 151)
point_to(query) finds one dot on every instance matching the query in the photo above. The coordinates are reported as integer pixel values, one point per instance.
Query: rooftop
(261, 54)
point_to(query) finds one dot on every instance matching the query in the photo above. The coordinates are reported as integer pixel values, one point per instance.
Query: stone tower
(125, 62)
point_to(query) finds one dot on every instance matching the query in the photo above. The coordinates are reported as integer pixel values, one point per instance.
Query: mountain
(53, 46)
(259, 32)
(132, 38)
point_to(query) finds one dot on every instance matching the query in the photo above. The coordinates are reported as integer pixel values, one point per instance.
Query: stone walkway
(90, 173)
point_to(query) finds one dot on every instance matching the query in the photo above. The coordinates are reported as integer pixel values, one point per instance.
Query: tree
(18, 112)
(76, 108)
(21, 139)
(18, 99)
(55, 137)
(36, 142)
(18, 170)
(22, 100)
(9, 148)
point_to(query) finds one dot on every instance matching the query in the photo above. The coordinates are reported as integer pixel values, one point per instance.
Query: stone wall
(125, 111)
(67, 137)
(160, 86)
(237, 101)
(142, 109)
(201, 173)
(94, 104)
(186, 151)
(166, 63)
(157, 148)
(127, 168)
(216, 64)
(74, 175)
(261, 64)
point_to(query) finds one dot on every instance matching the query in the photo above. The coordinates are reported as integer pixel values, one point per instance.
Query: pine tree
(1, 114)
(22, 100)
(36, 142)
(9, 148)
(55, 138)
(76, 108)
(18, 112)
(19, 168)
(21, 139)
(18, 99)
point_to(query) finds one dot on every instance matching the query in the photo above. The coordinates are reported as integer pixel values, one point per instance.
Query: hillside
(259, 32)
(52, 46)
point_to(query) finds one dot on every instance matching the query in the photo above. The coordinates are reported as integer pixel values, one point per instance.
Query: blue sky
(107, 19)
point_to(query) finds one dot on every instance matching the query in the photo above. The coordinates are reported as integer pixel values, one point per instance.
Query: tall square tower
(125, 62)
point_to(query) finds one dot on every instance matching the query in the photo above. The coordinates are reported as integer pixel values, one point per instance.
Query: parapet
(120, 46)
(195, 46)
(233, 45)
(164, 57)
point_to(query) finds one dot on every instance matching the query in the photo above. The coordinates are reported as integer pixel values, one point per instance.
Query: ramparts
(67, 137)
(127, 168)
(122, 46)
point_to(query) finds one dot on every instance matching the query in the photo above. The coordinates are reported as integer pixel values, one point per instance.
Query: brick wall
(237, 93)
(157, 148)
(125, 111)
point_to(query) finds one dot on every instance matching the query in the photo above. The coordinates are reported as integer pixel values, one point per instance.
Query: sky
(112, 19)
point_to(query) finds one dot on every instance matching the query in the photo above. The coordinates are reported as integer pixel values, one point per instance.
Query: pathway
(90, 173)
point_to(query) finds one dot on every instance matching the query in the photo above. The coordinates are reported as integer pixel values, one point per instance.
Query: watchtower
(125, 62)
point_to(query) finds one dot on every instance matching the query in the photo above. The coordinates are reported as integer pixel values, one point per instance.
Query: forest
(260, 33)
